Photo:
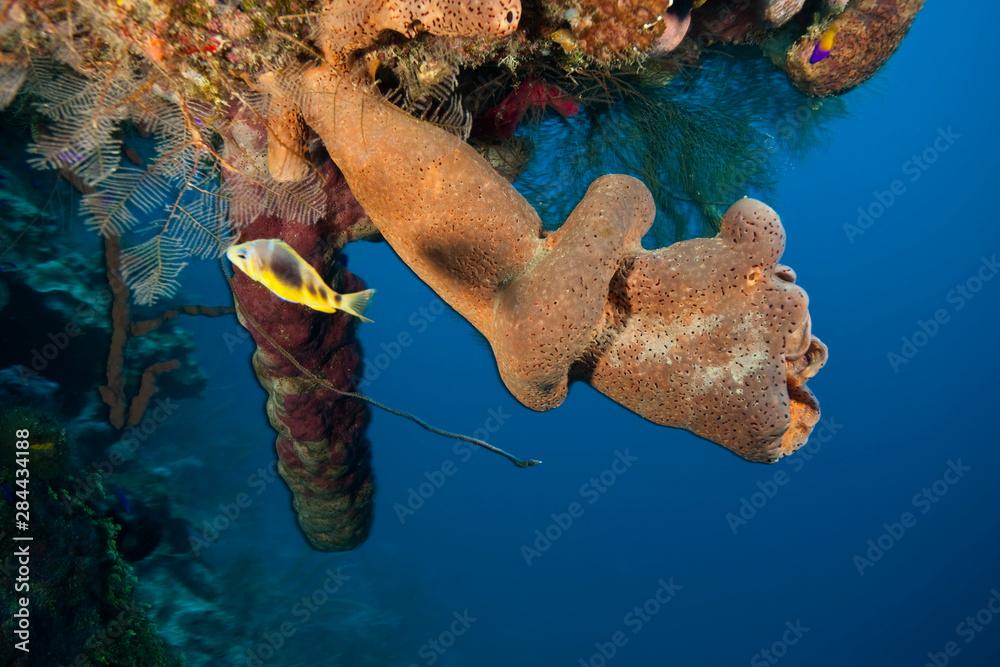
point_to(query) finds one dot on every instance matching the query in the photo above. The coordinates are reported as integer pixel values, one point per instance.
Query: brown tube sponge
(708, 335)
(714, 336)
(348, 25)
(286, 136)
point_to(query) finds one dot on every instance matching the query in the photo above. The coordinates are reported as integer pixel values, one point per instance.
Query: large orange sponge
(711, 335)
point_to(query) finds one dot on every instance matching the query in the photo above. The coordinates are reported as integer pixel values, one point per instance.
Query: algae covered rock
(48, 446)
(83, 605)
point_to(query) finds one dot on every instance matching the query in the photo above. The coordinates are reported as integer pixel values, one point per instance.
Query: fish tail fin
(355, 303)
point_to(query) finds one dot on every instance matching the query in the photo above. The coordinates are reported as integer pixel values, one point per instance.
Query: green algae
(699, 140)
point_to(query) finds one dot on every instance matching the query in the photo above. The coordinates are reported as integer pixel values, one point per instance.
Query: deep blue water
(785, 582)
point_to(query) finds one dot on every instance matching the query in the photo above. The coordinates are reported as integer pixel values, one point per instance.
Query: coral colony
(318, 123)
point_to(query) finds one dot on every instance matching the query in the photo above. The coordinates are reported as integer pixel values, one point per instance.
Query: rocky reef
(58, 301)
(85, 609)
(360, 118)
(61, 330)
(183, 127)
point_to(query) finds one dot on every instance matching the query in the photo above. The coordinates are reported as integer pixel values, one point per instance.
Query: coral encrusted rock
(609, 30)
(710, 335)
(779, 12)
(734, 22)
(868, 33)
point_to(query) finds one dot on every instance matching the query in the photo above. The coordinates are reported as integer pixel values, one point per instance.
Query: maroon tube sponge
(323, 454)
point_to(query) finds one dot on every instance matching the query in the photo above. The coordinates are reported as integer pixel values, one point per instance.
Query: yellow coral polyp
(565, 39)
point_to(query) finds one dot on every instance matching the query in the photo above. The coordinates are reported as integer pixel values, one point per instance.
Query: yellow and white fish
(275, 265)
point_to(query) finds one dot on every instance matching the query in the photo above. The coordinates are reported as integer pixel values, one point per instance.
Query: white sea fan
(83, 115)
(175, 197)
(150, 269)
(130, 194)
(175, 206)
(439, 104)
